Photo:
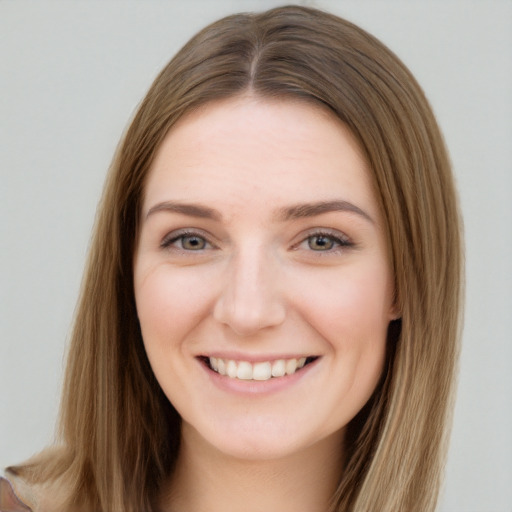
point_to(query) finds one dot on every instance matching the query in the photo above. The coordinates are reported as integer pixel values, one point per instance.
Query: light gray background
(71, 75)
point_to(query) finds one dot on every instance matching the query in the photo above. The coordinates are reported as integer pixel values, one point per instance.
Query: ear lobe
(395, 314)
(395, 311)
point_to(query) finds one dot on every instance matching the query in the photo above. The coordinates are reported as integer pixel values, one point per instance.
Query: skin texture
(247, 275)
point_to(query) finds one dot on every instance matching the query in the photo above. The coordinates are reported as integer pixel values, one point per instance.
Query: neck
(206, 480)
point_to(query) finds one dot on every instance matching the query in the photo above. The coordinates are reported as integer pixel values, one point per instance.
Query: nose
(250, 299)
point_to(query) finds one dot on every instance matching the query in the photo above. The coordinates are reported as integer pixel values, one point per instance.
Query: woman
(269, 315)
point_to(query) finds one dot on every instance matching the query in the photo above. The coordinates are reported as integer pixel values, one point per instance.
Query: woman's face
(262, 282)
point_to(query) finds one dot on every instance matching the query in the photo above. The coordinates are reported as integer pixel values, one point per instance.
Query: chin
(258, 438)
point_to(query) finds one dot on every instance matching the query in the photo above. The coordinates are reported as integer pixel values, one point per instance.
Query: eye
(185, 242)
(325, 242)
(321, 242)
(192, 242)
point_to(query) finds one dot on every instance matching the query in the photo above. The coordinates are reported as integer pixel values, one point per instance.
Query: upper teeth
(264, 370)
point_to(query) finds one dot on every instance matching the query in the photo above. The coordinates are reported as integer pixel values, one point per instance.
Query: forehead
(244, 149)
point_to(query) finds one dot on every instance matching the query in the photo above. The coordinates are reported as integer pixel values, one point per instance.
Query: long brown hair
(118, 432)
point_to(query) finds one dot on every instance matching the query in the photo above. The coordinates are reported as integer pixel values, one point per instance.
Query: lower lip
(257, 387)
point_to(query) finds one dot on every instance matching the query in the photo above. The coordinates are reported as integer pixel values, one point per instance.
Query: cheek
(350, 310)
(169, 304)
(352, 316)
(351, 305)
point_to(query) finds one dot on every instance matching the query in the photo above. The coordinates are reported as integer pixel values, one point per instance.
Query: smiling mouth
(260, 371)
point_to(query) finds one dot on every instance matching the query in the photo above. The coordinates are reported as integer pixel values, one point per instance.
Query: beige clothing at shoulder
(9, 498)
(16, 495)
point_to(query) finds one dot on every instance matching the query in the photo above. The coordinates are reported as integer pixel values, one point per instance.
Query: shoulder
(9, 498)
(19, 495)
(47, 482)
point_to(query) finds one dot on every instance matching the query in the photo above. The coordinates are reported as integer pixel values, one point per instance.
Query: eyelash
(340, 242)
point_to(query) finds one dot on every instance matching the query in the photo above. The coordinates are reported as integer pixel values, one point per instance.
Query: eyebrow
(192, 210)
(298, 211)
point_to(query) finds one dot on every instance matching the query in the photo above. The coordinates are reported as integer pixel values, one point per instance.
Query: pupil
(320, 242)
(193, 242)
